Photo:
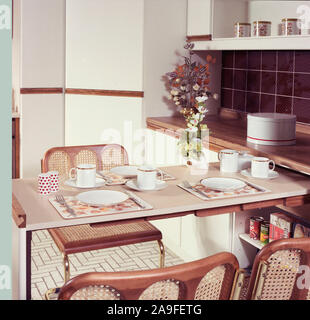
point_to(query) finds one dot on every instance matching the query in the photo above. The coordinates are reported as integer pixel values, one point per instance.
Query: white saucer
(100, 198)
(160, 184)
(223, 184)
(72, 183)
(125, 171)
(272, 174)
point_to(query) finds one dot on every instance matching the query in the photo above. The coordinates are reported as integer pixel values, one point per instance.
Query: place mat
(85, 211)
(113, 179)
(210, 194)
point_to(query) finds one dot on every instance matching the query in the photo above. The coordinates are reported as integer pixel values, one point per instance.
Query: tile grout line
(260, 82)
(293, 84)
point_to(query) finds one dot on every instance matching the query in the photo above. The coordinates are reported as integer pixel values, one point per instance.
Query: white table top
(42, 215)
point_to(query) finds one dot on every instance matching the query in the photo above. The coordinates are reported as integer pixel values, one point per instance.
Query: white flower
(196, 87)
(215, 96)
(202, 109)
(183, 88)
(175, 99)
(174, 92)
(183, 97)
(177, 80)
(201, 99)
(177, 103)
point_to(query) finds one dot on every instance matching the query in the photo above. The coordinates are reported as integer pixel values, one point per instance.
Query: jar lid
(274, 117)
(290, 19)
(242, 23)
(268, 22)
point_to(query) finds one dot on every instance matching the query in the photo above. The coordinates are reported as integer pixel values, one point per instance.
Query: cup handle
(219, 156)
(161, 174)
(273, 165)
(70, 174)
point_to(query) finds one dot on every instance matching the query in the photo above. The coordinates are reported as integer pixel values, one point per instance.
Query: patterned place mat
(114, 179)
(210, 194)
(83, 210)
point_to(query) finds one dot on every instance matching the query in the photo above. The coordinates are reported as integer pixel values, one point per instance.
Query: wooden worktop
(228, 133)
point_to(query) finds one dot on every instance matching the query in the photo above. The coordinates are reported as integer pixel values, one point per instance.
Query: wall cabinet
(217, 17)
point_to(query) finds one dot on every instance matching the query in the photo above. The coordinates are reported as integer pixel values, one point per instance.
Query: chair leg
(162, 254)
(66, 277)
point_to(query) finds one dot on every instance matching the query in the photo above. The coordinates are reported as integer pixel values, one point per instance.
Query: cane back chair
(281, 271)
(89, 237)
(210, 278)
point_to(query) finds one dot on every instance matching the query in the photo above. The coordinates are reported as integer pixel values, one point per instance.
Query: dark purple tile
(302, 110)
(285, 60)
(240, 79)
(254, 60)
(241, 59)
(302, 61)
(284, 104)
(239, 100)
(228, 59)
(302, 85)
(269, 60)
(226, 98)
(267, 103)
(285, 83)
(252, 102)
(227, 78)
(253, 81)
(268, 82)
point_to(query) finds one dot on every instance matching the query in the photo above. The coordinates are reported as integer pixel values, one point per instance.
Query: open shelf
(256, 43)
(255, 243)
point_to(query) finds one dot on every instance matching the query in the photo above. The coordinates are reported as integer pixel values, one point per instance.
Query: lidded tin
(264, 232)
(261, 28)
(255, 223)
(290, 27)
(242, 29)
(272, 129)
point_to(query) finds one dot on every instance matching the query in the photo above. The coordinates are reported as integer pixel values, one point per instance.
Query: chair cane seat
(99, 236)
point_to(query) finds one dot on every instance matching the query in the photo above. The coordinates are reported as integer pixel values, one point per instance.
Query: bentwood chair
(89, 237)
(211, 278)
(281, 271)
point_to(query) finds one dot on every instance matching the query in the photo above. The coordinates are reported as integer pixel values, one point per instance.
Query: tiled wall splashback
(267, 81)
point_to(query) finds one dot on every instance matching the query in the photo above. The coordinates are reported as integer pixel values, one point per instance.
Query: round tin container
(261, 28)
(242, 29)
(264, 232)
(255, 223)
(290, 27)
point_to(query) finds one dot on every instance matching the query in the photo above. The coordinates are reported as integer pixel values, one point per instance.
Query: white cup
(147, 177)
(85, 175)
(260, 167)
(228, 160)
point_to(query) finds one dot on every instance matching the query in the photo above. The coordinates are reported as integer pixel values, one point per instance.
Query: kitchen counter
(230, 133)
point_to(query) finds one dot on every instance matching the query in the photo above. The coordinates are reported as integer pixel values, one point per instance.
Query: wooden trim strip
(41, 90)
(205, 37)
(18, 213)
(112, 93)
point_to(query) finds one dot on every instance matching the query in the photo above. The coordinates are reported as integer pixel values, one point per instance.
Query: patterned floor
(47, 268)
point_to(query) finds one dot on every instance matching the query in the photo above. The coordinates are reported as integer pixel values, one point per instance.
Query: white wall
(164, 39)
(42, 66)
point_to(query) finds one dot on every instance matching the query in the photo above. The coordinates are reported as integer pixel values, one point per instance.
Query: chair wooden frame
(260, 267)
(130, 285)
(95, 153)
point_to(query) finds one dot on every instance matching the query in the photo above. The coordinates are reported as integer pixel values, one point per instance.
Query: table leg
(28, 264)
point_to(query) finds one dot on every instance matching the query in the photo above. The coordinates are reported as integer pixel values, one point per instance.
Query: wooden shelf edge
(255, 243)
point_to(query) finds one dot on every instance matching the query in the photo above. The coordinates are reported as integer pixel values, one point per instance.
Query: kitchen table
(32, 211)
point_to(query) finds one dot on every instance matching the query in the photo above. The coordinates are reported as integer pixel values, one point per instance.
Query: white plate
(160, 184)
(72, 183)
(223, 184)
(125, 171)
(272, 174)
(102, 197)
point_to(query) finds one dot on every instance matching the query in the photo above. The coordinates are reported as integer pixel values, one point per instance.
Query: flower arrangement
(189, 89)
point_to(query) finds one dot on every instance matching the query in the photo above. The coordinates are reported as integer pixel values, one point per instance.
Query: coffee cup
(147, 177)
(228, 160)
(260, 167)
(84, 175)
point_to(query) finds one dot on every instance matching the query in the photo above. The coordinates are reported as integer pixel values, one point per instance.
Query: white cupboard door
(199, 17)
(104, 41)
(100, 120)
